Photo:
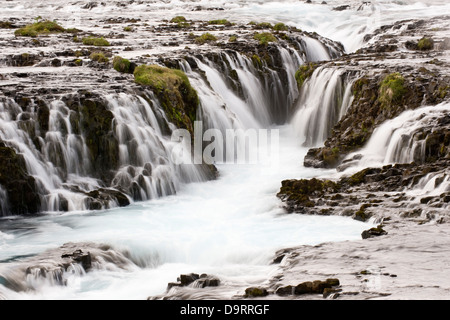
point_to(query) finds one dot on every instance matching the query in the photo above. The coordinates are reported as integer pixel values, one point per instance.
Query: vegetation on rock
(173, 89)
(265, 38)
(123, 65)
(304, 72)
(392, 89)
(204, 38)
(40, 27)
(99, 57)
(224, 22)
(425, 44)
(94, 41)
(280, 27)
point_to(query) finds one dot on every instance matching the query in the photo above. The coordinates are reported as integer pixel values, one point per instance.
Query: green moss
(78, 62)
(178, 19)
(204, 38)
(128, 29)
(178, 99)
(232, 39)
(99, 57)
(73, 30)
(280, 27)
(392, 90)
(257, 61)
(122, 65)
(37, 28)
(265, 38)
(263, 25)
(220, 22)
(425, 44)
(181, 22)
(98, 42)
(304, 72)
(443, 91)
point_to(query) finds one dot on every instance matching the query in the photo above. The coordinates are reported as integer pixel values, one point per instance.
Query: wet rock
(80, 257)
(285, 291)
(187, 279)
(255, 292)
(342, 8)
(308, 287)
(374, 232)
(22, 60)
(21, 188)
(105, 196)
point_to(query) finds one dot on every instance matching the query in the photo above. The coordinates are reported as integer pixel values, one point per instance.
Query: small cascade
(401, 140)
(147, 169)
(324, 99)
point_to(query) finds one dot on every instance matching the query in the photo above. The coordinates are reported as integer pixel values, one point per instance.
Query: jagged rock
(80, 257)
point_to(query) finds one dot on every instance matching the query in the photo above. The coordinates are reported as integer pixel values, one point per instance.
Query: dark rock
(207, 282)
(21, 188)
(373, 232)
(78, 256)
(256, 292)
(187, 279)
(304, 288)
(341, 8)
(285, 291)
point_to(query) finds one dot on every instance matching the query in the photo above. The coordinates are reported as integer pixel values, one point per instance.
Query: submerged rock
(374, 232)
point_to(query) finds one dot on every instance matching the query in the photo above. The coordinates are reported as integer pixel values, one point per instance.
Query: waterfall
(79, 166)
(324, 100)
(59, 160)
(147, 170)
(400, 140)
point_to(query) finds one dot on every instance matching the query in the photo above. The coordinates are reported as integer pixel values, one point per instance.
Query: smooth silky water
(230, 228)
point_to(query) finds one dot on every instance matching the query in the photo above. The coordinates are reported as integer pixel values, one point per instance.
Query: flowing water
(230, 227)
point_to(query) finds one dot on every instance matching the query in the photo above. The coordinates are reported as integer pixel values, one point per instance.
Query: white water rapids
(230, 227)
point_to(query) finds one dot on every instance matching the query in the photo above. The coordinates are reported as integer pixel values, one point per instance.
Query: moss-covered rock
(392, 90)
(374, 232)
(205, 38)
(304, 72)
(223, 22)
(265, 38)
(123, 65)
(425, 44)
(95, 41)
(255, 292)
(173, 89)
(299, 194)
(40, 27)
(99, 57)
(280, 27)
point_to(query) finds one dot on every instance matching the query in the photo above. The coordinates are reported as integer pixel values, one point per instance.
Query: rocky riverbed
(82, 132)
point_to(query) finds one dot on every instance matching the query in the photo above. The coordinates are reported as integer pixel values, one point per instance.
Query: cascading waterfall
(317, 113)
(400, 140)
(147, 170)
